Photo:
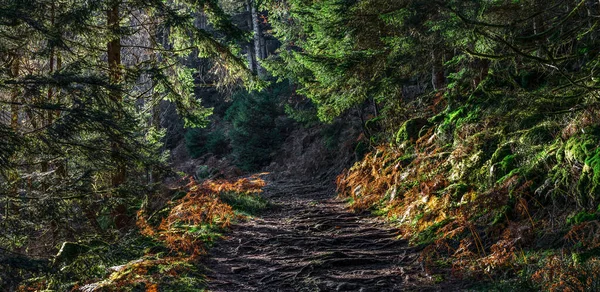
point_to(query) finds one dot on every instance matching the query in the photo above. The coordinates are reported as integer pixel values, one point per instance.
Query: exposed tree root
(310, 242)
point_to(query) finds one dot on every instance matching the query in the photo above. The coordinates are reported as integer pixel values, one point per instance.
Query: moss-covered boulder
(581, 147)
(578, 171)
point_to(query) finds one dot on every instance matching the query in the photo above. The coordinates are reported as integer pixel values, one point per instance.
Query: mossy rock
(453, 120)
(581, 147)
(580, 151)
(412, 129)
(503, 162)
(540, 134)
(594, 165)
(487, 141)
(501, 152)
(589, 181)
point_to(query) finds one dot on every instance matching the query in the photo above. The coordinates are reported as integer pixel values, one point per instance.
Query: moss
(488, 143)
(453, 116)
(501, 152)
(501, 215)
(529, 120)
(406, 159)
(502, 162)
(540, 134)
(474, 166)
(457, 190)
(581, 152)
(560, 175)
(464, 168)
(411, 130)
(437, 119)
(429, 235)
(579, 148)
(508, 162)
(594, 166)
(454, 119)
(581, 217)
(509, 174)
(247, 204)
(537, 165)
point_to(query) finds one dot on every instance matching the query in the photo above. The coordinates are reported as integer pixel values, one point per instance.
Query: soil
(308, 241)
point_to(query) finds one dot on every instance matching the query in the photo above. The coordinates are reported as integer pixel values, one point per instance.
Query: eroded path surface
(309, 242)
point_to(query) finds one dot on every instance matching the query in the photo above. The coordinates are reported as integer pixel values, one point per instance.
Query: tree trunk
(250, 48)
(14, 96)
(258, 39)
(114, 73)
(13, 176)
(47, 118)
(62, 165)
(114, 51)
(438, 80)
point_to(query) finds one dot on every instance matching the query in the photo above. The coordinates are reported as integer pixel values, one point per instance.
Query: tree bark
(114, 73)
(14, 96)
(438, 80)
(258, 39)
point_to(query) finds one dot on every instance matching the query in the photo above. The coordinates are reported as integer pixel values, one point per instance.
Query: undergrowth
(161, 255)
(495, 190)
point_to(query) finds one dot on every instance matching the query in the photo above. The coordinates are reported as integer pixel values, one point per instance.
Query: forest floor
(308, 241)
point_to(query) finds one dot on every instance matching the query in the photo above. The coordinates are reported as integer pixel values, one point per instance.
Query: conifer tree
(72, 121)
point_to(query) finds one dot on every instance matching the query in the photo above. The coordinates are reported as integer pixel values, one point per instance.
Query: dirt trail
(309, 242)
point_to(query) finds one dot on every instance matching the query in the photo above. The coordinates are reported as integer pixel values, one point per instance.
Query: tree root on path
(310, 242)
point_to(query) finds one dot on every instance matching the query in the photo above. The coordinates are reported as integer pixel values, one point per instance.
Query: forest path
(308, 241)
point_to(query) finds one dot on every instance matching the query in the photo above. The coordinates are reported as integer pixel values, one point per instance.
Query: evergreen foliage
(201, 141)
(485, 114)
(80, 144)
(255, 130)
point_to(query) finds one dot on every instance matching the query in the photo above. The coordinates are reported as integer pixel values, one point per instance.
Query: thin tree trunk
(263, 47)
(13, 176)
(250, 48)
(438, 79)
(47, 118)
(62, 165)
(257, 39)
(14, 95)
